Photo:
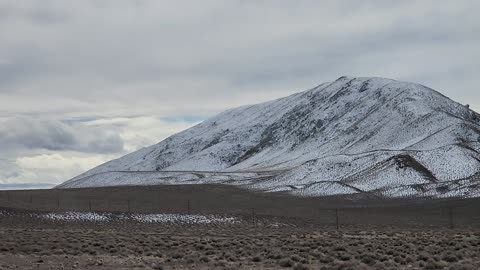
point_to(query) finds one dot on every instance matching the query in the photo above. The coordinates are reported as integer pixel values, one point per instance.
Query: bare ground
(30, 243)
(274, 231)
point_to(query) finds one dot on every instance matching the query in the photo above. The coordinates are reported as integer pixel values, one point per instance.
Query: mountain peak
(364, 134)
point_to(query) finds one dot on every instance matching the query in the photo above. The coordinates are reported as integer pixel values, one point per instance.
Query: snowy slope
(352, 135)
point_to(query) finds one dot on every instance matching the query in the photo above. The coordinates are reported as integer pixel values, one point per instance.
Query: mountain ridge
(391, 131)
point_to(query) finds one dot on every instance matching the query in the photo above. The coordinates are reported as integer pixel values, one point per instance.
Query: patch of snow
(76, 216)
(142, 218)
(184, 219)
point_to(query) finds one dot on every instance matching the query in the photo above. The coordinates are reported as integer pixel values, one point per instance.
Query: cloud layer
(95, 79)
(47, 151)
(49, 134)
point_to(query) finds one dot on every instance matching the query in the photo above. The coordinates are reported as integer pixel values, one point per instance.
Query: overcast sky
(82, 82)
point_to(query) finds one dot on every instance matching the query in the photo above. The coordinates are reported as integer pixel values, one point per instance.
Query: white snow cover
(352, 135)
(76, 216)
(143, 218)
(184, 219)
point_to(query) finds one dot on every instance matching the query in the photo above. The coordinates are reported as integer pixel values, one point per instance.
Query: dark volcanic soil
(31, 243)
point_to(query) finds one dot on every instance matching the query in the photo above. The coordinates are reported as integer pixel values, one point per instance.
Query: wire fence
(446, 214)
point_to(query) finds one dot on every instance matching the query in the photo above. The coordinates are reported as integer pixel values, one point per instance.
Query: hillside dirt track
(395, 236)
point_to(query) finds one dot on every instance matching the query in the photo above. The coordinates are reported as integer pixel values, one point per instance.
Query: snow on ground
(336, 132)
(142, 218)
(324, 189)
(184, 219)
(451, 162)
(76, 216)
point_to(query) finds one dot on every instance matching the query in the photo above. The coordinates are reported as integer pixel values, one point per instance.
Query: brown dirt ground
(291, 233)
(29, 243)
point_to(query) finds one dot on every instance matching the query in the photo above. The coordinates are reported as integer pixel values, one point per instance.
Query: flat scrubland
(29, 242)
(409, 234)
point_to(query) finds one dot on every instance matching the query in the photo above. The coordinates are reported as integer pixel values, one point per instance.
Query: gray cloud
(135, 61)
(49, 134)
(8, 169)
(16, 186)
(47, 150)
(220, 49)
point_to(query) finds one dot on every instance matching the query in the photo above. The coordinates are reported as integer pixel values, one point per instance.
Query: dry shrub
(285, 263)
(343, 256)
(204, 259)
(300, 266)
(433, 265)
(325, 259)
(177, 255)
(257, 259)
(368, 259)
(295, 258)
(157, 267)
(450, 258)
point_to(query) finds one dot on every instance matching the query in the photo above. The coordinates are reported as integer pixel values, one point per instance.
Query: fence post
(319, 215)
(128, 205)
(253, 216)
(336, 218)
(58, 201)
(158, 203)
(89, 205)
(188, 207)
(450, 214)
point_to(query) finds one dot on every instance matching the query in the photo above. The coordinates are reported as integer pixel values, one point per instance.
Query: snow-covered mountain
(353, 135)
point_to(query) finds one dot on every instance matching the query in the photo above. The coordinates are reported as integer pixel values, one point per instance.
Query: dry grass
(74, 246)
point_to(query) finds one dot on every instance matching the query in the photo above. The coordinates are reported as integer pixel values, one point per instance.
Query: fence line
(450, 216)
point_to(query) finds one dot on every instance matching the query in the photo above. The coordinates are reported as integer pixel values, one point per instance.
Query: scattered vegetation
(77, 245)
